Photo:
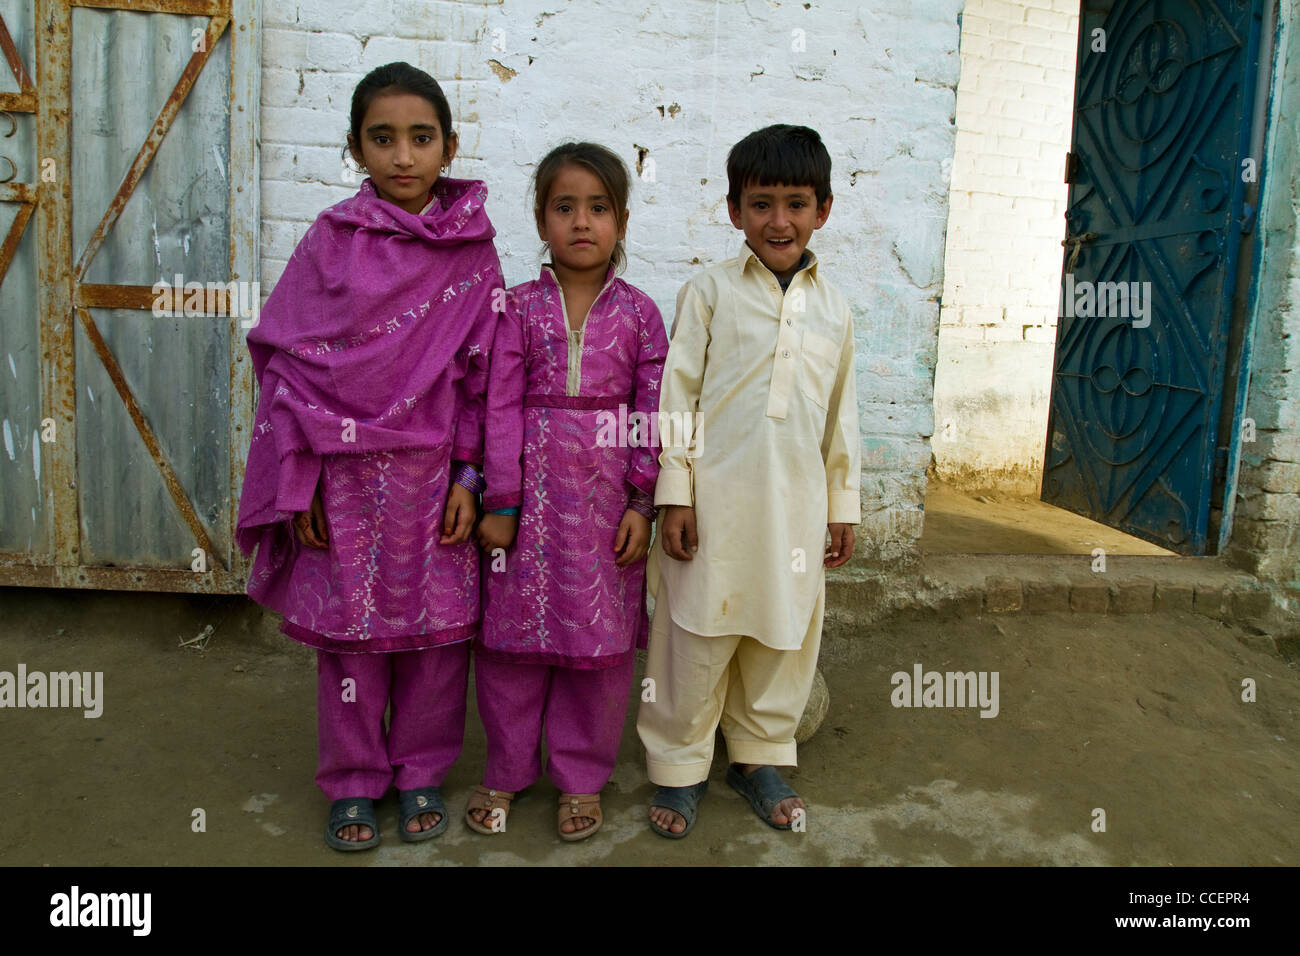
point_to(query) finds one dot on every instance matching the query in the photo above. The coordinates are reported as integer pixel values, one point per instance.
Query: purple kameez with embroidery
(569, 442)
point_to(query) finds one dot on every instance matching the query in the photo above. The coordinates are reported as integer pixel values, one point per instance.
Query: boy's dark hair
(604, 164)
(779, 155)
(399, 77)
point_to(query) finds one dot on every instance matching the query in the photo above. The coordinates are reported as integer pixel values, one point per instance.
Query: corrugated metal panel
(158, 99)
(23, 519)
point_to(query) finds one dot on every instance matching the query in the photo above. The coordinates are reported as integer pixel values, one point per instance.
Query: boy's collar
(747, 253)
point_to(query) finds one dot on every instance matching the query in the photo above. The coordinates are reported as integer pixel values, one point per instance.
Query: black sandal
(354, 811)
(681, 800)
(412, 803)
(764, 789)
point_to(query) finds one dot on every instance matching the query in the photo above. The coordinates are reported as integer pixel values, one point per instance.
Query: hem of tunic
(380, 645)
(572, 662)
(765, 637)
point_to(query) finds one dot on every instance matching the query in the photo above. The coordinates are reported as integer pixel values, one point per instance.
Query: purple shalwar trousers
(583, 712)
(426, 726)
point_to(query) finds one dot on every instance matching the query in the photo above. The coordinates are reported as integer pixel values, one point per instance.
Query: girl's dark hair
(779, 155)
(399, 77)
(604, 164)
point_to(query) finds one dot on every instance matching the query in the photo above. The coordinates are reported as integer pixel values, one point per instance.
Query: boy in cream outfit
(762, 359)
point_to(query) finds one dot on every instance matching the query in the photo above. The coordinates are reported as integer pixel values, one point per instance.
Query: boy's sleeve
(504, 442)
(679, 399)
(467, 439)
(652, 347)
(841, 449)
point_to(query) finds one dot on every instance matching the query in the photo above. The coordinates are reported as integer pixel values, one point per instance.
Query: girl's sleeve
(467, 441)
(643, 469)
(504, 443)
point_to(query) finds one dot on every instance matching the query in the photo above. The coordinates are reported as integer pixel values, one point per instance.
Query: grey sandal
(764, 789)
(353, 811)
(681, 800)
(412, 803)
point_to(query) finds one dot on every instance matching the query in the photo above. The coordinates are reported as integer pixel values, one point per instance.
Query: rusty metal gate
(128, 217)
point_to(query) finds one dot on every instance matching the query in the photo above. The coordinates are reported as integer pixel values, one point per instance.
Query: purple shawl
(376, 338)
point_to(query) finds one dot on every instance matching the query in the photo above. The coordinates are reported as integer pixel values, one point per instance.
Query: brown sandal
(490, 800)
(573, 805)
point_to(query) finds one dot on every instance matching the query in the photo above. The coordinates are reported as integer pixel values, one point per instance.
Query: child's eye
(424, 138)
(381, 140)
(599, 207)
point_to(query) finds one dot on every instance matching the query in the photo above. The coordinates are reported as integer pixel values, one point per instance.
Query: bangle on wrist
(469, 479)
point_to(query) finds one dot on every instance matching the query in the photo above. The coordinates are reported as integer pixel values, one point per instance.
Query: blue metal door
(1156, 218)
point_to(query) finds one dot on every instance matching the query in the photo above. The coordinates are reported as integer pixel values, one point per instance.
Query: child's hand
(841, 547)
(633, 538)
(458, 520)
(310, 526)
(678, 532)
(497, 531)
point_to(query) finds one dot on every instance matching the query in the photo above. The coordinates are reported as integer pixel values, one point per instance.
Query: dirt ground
(1140, 716)
(994, 522)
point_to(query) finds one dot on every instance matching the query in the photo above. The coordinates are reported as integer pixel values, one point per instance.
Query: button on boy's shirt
(768, 381)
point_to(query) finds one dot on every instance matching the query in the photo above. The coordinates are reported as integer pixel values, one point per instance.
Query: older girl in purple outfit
(359, 494)
(578, 352)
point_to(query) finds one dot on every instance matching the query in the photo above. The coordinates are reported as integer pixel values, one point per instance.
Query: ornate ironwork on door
(130, 218)
(1155, 222)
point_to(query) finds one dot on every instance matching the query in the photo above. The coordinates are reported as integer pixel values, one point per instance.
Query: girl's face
(579, 222)
(402, 147)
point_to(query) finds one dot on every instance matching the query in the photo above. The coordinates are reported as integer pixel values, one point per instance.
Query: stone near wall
(1209, 601)
(1090, 598)
(1174, 597)
(1137, 597)
(1047, 595)
(1002, 595)
(814, 712)
(1251, 605)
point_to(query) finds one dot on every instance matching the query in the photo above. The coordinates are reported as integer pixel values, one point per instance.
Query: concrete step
(948, 586)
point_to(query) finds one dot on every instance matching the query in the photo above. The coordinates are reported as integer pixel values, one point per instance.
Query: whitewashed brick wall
(681, 80)
(1003, 260)
(1266, 529)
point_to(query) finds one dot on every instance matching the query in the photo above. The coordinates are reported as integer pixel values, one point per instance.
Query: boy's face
(778, 221)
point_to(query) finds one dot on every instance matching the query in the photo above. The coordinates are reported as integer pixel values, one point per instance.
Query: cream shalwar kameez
(767, 380)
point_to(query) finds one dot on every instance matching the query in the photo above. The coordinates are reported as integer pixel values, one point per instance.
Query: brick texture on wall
(1002, 266)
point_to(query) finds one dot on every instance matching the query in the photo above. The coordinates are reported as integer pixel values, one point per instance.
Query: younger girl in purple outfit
(578, 354)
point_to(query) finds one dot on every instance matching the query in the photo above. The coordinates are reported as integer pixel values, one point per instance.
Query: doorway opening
(1138, 419)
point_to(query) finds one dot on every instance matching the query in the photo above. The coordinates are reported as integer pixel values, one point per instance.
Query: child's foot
(425, 821)
(673, 809)
(769, 795)
(421, 813)
(579, 816)
(488, 809)
(666, 819)
(352, 824)
(355, 834)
